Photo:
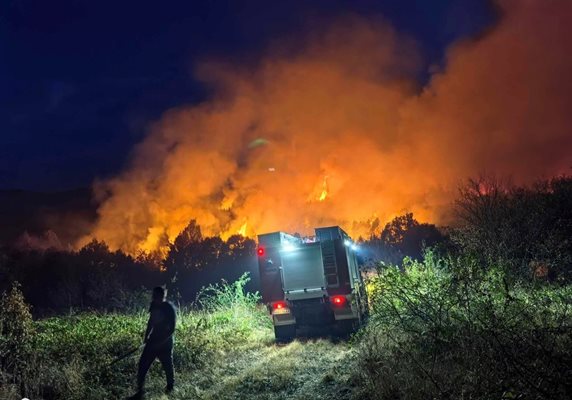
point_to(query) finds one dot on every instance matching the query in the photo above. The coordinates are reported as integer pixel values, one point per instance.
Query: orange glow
(242, 230)
(339, 133)
(324, 193)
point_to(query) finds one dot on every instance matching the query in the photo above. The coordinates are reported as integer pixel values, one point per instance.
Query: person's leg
(166, 359)
(147, 358)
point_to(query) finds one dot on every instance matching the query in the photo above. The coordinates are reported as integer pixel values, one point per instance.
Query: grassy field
(214, 359)
(224, 351)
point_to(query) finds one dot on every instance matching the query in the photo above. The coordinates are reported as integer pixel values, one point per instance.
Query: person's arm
(147, 331)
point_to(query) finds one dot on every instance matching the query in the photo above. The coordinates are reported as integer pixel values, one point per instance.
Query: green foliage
(229, 303)
(16, 331)
(224, 295)
(447, 328)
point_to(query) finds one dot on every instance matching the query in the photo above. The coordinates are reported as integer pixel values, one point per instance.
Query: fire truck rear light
(279, 305)
(338, 300)
(260, 251)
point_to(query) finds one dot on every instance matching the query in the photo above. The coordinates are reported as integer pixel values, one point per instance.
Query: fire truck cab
(311, 281)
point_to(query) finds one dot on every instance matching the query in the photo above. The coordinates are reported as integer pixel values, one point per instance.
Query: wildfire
(242, 230)
(324, 193)
(347, 102)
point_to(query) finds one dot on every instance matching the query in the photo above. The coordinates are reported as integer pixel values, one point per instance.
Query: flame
(346, 105)
(324, 193)
(242, 230)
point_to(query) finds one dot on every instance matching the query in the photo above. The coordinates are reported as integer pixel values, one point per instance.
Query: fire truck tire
(285, 333)
(346, 327)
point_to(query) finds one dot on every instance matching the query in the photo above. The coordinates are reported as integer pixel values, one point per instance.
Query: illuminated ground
(311, 368)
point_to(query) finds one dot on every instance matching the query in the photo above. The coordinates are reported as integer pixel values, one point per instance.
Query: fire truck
(312, 281)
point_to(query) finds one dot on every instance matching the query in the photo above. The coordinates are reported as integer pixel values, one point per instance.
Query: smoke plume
(337, 131)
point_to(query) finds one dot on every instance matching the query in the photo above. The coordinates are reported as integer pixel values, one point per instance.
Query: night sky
(82, 80)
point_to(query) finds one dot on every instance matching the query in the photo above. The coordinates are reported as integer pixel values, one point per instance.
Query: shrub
(234, 310)
(16, 331)
(449, 329)
(525, 230)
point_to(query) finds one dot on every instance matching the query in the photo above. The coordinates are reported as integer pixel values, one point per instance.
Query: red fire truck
(311, 281)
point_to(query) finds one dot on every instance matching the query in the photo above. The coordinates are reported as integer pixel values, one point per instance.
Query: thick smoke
(337, 132)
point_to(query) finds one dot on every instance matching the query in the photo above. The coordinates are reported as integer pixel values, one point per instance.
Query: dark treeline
(528, 231)
(56, 281)
(402, 237)
(195, 261)
(525, 230)
(95, 278)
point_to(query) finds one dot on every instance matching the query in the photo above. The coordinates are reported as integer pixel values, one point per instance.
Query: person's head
(159, 294)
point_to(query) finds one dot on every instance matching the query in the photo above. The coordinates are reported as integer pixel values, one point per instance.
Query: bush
(525, 230)
(449, 329)
(233, 310)
(16, 331)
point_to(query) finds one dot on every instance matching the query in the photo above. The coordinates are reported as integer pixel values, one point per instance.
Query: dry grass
(317, 369)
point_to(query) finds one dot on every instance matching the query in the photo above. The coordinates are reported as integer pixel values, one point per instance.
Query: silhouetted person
(159, 340)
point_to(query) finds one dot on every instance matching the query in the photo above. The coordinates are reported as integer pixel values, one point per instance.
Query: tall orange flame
(324, 193)
(242, 230)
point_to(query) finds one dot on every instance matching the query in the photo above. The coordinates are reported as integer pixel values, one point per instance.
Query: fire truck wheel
(344, 328)
(285, 333)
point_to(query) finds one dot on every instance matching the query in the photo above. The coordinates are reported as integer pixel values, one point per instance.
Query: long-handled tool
(124, 356)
